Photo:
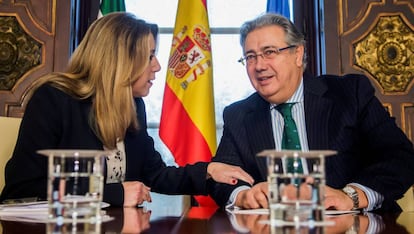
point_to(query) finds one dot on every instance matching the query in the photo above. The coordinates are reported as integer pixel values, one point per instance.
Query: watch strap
(353, 194)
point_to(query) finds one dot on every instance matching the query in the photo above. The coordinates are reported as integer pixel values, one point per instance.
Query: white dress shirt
(298, 114)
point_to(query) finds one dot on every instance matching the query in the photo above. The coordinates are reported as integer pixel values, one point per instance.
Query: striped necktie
(290, 138)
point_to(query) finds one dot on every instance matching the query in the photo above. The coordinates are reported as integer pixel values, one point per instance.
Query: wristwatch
(352, 193)
(354, 229)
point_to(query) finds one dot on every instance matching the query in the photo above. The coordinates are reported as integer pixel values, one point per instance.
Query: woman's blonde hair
(111, 57)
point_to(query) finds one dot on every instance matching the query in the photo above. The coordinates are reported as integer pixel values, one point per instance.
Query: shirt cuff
(375, 199)
(233, 195)
(236, 225)
(375, 224)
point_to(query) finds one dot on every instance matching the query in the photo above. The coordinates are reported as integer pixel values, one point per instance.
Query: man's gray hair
(293, 36)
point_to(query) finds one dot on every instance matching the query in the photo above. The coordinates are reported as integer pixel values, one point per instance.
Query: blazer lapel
(317, 112)
(260, 135)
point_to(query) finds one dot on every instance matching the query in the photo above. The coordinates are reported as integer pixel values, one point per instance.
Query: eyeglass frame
(277, 51)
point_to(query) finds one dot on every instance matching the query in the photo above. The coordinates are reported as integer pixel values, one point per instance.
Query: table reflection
(135, 220)
(160, 219)
(344, 223)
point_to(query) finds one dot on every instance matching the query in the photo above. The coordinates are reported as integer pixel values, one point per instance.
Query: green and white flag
(108, 6)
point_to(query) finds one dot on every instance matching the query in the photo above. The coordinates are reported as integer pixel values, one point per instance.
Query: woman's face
(142, 86)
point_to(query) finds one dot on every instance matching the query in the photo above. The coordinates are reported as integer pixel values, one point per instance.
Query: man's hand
(342, 223)
(253, 198)
(289, 192)
(338, 200)
(254, 223)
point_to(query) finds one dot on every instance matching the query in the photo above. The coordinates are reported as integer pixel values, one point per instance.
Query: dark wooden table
(172, 214)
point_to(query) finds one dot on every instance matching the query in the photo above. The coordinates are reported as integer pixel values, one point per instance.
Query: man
(375, 161)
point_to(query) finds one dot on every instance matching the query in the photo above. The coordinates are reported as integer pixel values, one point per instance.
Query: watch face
(348, 189)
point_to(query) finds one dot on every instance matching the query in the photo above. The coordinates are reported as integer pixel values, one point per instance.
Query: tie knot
(285, 109)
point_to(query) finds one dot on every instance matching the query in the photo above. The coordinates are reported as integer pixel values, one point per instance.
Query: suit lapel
(260, 135)
(317, 112)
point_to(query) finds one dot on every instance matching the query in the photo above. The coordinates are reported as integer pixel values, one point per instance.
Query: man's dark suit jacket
(342, 114)
(54, 120)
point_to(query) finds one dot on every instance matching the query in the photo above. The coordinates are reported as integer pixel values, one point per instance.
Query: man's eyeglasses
(268, 53)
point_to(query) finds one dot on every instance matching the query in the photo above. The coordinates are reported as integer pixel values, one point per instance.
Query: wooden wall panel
(375, 38)
(36, 45)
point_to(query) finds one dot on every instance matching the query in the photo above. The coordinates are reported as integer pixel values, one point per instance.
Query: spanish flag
(187, 124)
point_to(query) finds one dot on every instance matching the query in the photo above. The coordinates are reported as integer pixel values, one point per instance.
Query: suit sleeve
(229, 153)
(389, 155)
(26, 171)
(151, 169)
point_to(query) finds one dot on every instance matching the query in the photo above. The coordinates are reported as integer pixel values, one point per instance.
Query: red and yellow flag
(188, 125)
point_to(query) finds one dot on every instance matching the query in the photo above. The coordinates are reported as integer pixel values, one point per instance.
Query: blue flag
(279, 6)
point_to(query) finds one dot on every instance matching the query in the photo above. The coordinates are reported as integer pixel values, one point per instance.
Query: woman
(97, 104)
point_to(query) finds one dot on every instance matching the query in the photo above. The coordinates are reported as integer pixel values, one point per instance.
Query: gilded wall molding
(19, 52)
(45, 22)
(388, 107)
(408, 3)
(386, 52)
(344, 25)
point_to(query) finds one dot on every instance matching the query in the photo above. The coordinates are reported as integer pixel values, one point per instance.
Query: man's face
(276, 78)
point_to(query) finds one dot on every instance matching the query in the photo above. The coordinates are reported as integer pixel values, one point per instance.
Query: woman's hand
(136, 220)
(228, 174)
(135, 193)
